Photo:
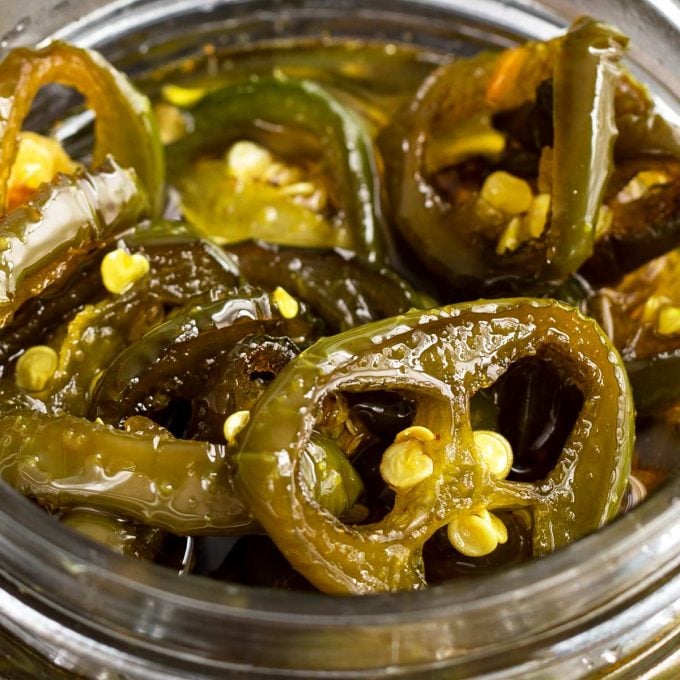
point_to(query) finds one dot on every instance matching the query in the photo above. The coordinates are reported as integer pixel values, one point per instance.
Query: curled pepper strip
(443, 357)
(185, 487)
(40, 241)
(124, 127)
(180, 356)
(92, 340)
(173, 484)
(584, 78)
(346, 146)
(340, 288)
(449, 237)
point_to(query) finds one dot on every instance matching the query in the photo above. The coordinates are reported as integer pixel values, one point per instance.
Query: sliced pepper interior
(442, 358)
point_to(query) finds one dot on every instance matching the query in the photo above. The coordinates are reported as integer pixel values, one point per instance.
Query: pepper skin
(40, 241)
(346, 146)
(442, 358)
(340, 288)
(452, 239)
(180, 357)
(125, 127)
(185, 487)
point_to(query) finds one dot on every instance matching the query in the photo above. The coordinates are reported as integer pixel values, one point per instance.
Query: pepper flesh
(184, 270)
(444, 357)
(124, 127)
(178, 357)
(40, 241)
(346, 146)
(450, 238)
(342, 289)
(185, 487)
(584, 77)
(173, 484)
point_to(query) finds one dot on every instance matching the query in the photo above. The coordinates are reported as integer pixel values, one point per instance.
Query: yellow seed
(120, 270)
(668, 322)
(535, 220)
(35, 368)
(494, 452)
(281, 175)
(306, 194)
(405, 463)
(653, 304)
(171, 122)
(185, 97)
(511, 236)
(38, 160)
(234, 424)
(507, 193)
(477, 534)
(298, 189)
(418, 432)
(248, 161)
(287, 305)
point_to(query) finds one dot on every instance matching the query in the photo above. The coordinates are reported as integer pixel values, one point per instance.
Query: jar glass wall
(609, 604)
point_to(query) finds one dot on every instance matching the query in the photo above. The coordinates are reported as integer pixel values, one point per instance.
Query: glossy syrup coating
(40, 241)
(442, 357)
(231, 409)
(125, 125)
(344, 143)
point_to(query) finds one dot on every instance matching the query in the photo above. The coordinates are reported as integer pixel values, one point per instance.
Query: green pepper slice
(41, 241)
(185, 487)
(340, 288)
(443, 357)
(124, 127)
(181, 486)
(184, 269)
(179, 357)
(117, 534)
(642, 228)
(346, 146)
(456, 239)
(584, 77)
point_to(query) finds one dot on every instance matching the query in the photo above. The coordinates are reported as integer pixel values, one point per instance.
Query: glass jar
(607, 606)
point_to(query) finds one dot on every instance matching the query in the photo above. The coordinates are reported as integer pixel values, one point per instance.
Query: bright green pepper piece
(181, 486)
(584, 81)
(458, 240)
(185, 487)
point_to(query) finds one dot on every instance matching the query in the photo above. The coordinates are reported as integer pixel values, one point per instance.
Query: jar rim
(609, 556)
